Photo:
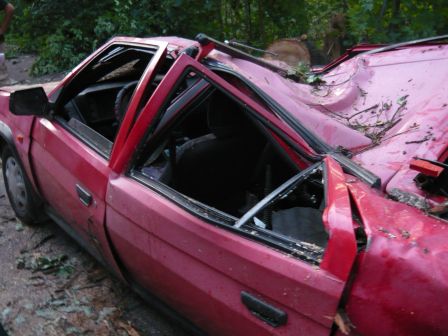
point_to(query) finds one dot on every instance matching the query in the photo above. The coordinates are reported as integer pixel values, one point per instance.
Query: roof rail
(205, 41)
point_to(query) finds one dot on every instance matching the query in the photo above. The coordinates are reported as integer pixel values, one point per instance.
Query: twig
(43, 241)
(385, 139)
(399, 109)
(426, 138)
(39, 244)
(88, 286)
(363, 111)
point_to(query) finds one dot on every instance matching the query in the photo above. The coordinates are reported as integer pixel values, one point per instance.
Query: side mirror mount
(32, 101)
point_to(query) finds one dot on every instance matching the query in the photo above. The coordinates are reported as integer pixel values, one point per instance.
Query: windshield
(315, 142)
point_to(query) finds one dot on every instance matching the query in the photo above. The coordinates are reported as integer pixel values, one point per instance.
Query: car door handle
(264, 311)
(84, 196)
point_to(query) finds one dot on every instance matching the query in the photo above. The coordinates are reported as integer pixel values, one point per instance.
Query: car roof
(369, 79)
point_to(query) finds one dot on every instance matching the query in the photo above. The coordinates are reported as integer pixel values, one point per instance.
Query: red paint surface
(401, 283)
(426, 168)
(201, 269)
(338, 222)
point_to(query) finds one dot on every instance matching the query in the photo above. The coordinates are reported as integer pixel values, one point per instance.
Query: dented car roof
(386, 108)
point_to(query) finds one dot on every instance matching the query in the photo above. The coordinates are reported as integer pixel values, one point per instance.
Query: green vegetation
(64, 32)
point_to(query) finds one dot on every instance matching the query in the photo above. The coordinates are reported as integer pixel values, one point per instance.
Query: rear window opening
(215, 153)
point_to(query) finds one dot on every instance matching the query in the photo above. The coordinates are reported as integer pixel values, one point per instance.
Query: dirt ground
(50, 286)
(19, 68)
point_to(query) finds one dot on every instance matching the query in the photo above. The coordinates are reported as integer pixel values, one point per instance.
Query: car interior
(100, 97)
(218, 154)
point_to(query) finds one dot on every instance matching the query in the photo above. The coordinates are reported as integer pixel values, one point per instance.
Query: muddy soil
(19, 71)
(50, 286)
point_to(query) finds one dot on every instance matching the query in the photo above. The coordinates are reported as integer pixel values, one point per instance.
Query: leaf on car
(305, 74)
(402, 100)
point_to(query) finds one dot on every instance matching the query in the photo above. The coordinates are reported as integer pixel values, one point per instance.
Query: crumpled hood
(385, 107)
(401, 105)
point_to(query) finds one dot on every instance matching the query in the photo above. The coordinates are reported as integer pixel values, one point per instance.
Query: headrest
(224, 116)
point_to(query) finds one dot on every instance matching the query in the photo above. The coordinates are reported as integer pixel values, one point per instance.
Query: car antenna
(235, 43)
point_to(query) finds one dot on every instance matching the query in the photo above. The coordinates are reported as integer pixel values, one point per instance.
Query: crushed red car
(248, 201)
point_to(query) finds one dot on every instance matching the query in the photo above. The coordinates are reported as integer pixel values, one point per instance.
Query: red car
(247, 201)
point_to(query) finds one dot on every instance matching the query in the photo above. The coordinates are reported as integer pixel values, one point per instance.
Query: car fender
(7, 139)
(400, 283)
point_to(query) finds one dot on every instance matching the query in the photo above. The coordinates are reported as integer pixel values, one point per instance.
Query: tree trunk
(383, 10)
(247, 21)
(394, 25)
(221, 12)
(261, 33)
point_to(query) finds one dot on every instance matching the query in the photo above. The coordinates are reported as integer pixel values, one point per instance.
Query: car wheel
(18, 188)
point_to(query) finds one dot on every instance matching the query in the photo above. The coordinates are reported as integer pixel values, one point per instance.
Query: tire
(19, 190)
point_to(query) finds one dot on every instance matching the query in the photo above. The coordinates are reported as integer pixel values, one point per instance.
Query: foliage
(304, 74)
(63, 32)
(395, 20)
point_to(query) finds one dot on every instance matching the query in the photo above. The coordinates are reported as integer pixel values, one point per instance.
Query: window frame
(295, 248)
(87, 135)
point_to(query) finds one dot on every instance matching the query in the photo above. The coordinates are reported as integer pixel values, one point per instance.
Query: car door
(221, 279)
(71, 160)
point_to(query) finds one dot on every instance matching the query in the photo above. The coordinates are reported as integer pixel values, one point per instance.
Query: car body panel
(401, 278)
(337, 219)
(201, 269)
(20, 130)
(60, 162)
